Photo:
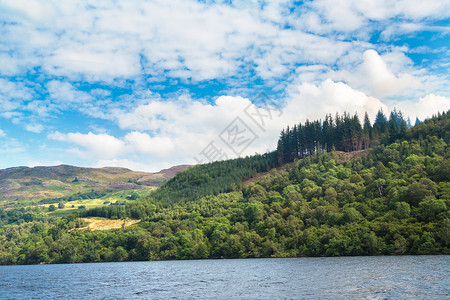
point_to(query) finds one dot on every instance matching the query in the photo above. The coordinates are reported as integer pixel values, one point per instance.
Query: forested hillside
(213, 178)
(392, 200)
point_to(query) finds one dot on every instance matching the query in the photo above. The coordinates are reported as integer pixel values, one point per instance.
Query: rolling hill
(37, 183)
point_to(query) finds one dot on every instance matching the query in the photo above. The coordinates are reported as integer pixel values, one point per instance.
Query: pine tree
(393, 126)
(367, 131)
(417, 122)
(381, 122)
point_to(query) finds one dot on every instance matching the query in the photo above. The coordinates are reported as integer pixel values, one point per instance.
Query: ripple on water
(424, 277)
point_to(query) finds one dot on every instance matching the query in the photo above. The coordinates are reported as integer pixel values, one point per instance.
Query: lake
(380, 277)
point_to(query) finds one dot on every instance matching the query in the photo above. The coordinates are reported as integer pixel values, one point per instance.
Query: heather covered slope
(24, 183)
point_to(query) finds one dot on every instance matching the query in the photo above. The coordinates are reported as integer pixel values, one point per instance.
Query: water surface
(382, 277)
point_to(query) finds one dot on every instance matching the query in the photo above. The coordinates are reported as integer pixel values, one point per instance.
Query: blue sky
(151, 84)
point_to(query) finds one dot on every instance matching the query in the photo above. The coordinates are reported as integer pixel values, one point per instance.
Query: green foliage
(213, 178)
(74, 197)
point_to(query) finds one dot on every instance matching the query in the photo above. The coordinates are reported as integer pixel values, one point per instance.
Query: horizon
(151, 85)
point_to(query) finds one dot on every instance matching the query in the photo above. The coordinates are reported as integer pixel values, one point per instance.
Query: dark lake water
(383, 277)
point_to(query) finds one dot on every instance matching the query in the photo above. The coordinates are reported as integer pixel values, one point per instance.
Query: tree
(381, 122)
(402, 210)
(417, 122)
(367, 131)
(430, 209)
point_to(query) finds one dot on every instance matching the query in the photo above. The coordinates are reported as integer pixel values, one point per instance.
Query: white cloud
(12, 146)
(2, 133)
(96, 145)
(183, 127)
(426, 107)
(184, 39)
(36, 128)
(13, 99)
(13, 94)
(194, 115)
(381, 80)
(64, 93)
(8, 65)
(96, 64)
(104, 41)
(314, 101)
(145, 144)
(325, 16)
(384, 76)
(172, 131)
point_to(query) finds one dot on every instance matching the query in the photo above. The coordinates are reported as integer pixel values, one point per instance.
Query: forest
(390, 196)
(343, 133)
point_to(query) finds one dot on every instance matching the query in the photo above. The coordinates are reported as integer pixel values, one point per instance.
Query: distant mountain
(57, 181)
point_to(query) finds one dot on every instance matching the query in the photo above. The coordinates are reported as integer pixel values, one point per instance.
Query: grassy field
(121, 196)
(73, 206)
(106, 224)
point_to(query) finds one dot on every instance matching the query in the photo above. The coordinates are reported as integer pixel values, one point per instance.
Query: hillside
(24, 183)
(391, 198)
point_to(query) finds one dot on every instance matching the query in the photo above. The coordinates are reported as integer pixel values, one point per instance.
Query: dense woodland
(213, 178)
(390, 198)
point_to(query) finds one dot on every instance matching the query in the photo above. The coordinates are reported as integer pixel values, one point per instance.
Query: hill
(24, 183)
(389, 198)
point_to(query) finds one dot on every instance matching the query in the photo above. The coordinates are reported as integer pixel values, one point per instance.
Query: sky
(151, 84)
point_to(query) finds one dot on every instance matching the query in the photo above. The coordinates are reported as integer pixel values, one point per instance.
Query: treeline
(213, 178)
(341, 133)
(74, 197)
(21, 215)
(119, 211)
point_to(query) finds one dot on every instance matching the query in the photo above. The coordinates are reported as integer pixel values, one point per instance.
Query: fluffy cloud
(145, 144)
(36, 128)
(14, 98)
(386, 76)
(194, 115)
(13, 94)
(325, 16)
(102, 41)
(2, 133)
(381, 80)
(172, 131)
(64, 93)
(426, 107)
(314, 101)
(96, 145)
